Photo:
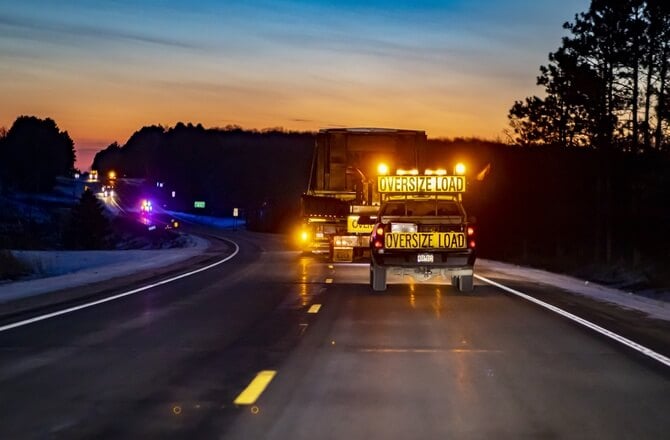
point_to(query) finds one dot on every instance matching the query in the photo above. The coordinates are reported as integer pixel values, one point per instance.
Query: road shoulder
(632, 319)
(98, 283)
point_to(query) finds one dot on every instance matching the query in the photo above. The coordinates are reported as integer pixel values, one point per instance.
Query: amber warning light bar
(420, 184)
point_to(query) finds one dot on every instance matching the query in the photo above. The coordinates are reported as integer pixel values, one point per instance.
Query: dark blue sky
(103, 69)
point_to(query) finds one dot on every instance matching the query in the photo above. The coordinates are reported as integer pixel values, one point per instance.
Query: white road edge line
(603, 331)
(120, 295)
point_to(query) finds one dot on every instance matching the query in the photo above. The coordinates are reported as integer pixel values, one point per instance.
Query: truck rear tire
(377, 278)
(466, 283)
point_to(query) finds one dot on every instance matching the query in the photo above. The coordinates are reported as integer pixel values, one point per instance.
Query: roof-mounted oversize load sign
(420, 184)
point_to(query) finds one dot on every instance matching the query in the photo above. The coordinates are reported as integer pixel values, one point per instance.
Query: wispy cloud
(357, 44)
(32, 29)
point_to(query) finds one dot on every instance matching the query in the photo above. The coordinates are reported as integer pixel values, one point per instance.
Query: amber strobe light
(382, 169)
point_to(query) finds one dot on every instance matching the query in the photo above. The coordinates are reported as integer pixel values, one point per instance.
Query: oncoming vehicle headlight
(304, 236)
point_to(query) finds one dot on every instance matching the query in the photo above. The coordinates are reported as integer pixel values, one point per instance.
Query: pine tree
(606, 85)
(34, 152)
(88, 227)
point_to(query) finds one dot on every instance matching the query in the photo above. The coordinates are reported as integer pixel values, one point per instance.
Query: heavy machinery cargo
(342, 185)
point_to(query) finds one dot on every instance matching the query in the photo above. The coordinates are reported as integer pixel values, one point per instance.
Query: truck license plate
(424, 258)
(343, 255)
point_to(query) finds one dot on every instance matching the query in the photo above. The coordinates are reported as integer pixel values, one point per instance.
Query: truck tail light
(377, 237)
(470, 234)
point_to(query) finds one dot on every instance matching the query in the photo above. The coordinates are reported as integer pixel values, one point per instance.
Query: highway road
(420, 361)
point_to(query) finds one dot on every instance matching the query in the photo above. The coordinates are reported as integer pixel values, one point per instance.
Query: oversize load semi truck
(343, 186)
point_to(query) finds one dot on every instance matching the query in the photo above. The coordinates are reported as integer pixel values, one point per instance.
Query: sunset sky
(104, 69)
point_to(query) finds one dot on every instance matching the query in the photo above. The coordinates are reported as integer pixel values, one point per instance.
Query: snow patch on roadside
(652, 307)
(67, 269)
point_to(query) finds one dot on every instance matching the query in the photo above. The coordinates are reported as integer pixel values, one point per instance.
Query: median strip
(254, 390)
(588, 324)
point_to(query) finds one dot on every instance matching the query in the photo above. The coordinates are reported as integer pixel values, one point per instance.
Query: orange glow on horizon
(95, 119)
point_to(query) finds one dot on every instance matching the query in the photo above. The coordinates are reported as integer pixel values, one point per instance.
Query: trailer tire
(377, 278)
(466, 283)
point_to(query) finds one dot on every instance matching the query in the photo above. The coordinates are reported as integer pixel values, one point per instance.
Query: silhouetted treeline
(261, 172)
(607, 86)
(561, 207)
(33, 152)
(568, 208)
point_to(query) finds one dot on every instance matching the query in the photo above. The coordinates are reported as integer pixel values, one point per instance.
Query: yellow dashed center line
(253, 391)
(314, 309)
(329, 281)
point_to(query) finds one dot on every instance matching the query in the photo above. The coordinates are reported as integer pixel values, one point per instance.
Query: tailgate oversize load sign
(353, 227)
(425, 240)
(421, 184)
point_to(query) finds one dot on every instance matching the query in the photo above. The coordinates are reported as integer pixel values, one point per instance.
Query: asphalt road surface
(420, 361)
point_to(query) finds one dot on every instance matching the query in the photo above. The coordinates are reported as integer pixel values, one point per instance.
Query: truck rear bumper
(425, 273)
(451, 261)
(317, 247)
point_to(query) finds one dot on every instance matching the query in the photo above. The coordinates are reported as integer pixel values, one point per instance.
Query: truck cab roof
(371, 130)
